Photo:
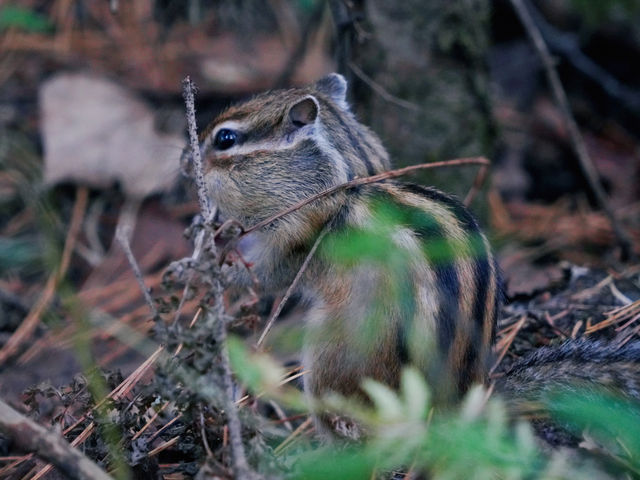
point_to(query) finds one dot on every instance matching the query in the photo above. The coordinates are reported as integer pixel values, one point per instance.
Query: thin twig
(292, 287)
(157, 433)
(124, 387)
(79, 440)
(240, 464)
(203, 434)
(188, 93)
(574, 133)
(150, 421)
(478, 183)
(364, 181)
(283, 418)
(31, 436)
(185, 291)
(568, 45)
(123, 233)
(164, 446)
(31, 321)
(216, 314)
(506, 342)
(287, 441)
(380, 90)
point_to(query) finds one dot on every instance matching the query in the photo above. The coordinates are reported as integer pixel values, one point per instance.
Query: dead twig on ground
(628, 313)
(577, 141)
(505, 343)
(287, 441)
(34, 437)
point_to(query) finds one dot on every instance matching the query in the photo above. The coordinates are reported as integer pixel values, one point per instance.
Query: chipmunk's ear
(334, 86)
(304, 112)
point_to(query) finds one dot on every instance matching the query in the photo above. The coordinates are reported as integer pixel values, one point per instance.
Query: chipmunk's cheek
(214, 183)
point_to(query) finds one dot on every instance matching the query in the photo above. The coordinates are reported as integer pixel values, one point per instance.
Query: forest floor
(558, 252)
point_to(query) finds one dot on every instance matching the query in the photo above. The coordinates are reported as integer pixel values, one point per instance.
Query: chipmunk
(283, 146)
(437, 312)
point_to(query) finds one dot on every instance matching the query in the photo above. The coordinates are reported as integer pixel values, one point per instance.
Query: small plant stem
(291, 288)
(124, 232)
(188, 93)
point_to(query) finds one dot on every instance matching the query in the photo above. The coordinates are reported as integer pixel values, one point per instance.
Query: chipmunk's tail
(585, 369)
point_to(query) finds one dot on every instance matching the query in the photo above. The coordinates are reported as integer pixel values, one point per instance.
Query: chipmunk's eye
(225, 139)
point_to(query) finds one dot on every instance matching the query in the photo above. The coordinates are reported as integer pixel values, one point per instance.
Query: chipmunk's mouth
(218, 162)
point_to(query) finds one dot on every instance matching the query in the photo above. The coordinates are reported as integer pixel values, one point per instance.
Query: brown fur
(295, 143)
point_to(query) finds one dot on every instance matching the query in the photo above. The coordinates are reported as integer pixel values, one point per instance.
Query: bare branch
(49, 445)
(240, 465)
(574, 133)
(567, 45)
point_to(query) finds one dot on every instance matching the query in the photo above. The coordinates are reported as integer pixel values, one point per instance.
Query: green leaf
(608, 418)
(386, 401)
(354, 246)
(353, 463)
(246, 370)
(24, 19)
(414, 393)
(18, 253)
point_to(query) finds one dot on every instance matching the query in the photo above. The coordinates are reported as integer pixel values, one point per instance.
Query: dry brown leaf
(96, 133)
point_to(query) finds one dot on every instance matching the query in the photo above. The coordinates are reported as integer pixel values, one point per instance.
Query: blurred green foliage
(613, 421)
(407, 430)
(22, 18)
(375, 243)
(35, 244)
(476, 440)
(600, 11)
(307, 5)
(19, 253)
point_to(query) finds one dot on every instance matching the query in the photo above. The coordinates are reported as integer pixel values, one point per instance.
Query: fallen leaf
(96, 132)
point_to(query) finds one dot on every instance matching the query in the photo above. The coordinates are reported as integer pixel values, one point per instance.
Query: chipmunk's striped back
(439, 312)
(466, 278)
